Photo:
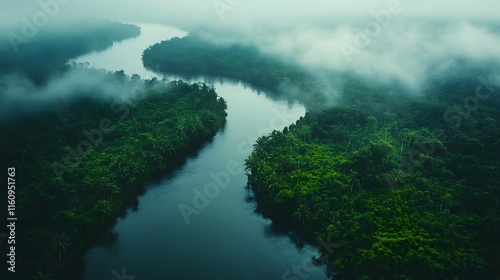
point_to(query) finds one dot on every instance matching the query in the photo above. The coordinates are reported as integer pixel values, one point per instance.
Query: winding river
(222, 237)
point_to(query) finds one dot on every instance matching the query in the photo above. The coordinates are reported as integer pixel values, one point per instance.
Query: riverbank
(339, 167)
(101, 151)
(396, 198)
(192, 55)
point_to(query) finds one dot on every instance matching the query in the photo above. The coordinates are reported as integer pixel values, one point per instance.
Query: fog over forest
(367, 83)
(400, 38)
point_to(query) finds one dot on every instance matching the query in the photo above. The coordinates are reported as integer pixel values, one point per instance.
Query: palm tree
(352, 179)
(395, 177)
(445, 200)
(114, 190)
(302, 213)
(61, 243)
(103, 207)
(57, 181)
(273, 188)
(344, 197)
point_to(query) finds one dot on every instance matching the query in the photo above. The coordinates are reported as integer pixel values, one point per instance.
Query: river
(224, 238)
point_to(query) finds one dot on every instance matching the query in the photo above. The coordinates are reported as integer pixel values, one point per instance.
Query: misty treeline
(192, 55)
(406, 184)
(404, 193)
(80, 162)
(46, 51)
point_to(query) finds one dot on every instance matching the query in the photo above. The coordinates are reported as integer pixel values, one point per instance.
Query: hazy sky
(378, 38)
(188, 13)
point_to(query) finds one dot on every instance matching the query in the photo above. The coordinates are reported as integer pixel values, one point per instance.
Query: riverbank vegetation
(407, 184)
(407, 187)
(80, 161)
(46, 53)
(192, 55)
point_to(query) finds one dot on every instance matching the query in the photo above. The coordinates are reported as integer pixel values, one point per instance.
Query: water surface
(225, 238)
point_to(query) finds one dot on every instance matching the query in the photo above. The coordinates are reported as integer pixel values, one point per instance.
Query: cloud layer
(193, 13)
(19, 95)
(385, 39)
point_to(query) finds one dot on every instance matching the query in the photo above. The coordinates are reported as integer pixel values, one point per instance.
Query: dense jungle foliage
(406, 183)
(80, 162)
(193, 55)
(408, 187)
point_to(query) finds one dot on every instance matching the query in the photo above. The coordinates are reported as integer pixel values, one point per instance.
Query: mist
(359, 118)
(385, 40)
(20, 96)
(34, 69)
(407, 41)
(408, 51)
(190, 14)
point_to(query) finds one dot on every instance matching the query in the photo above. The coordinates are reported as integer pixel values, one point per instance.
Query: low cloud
(190, 14)
(408, 50)
(420, 38)
(20, 96)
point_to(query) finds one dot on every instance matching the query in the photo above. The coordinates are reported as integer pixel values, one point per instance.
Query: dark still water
(219, 236)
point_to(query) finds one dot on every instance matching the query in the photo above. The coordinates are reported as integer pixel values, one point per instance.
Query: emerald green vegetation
(408, 187)
(192, 55)
(82, 160)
